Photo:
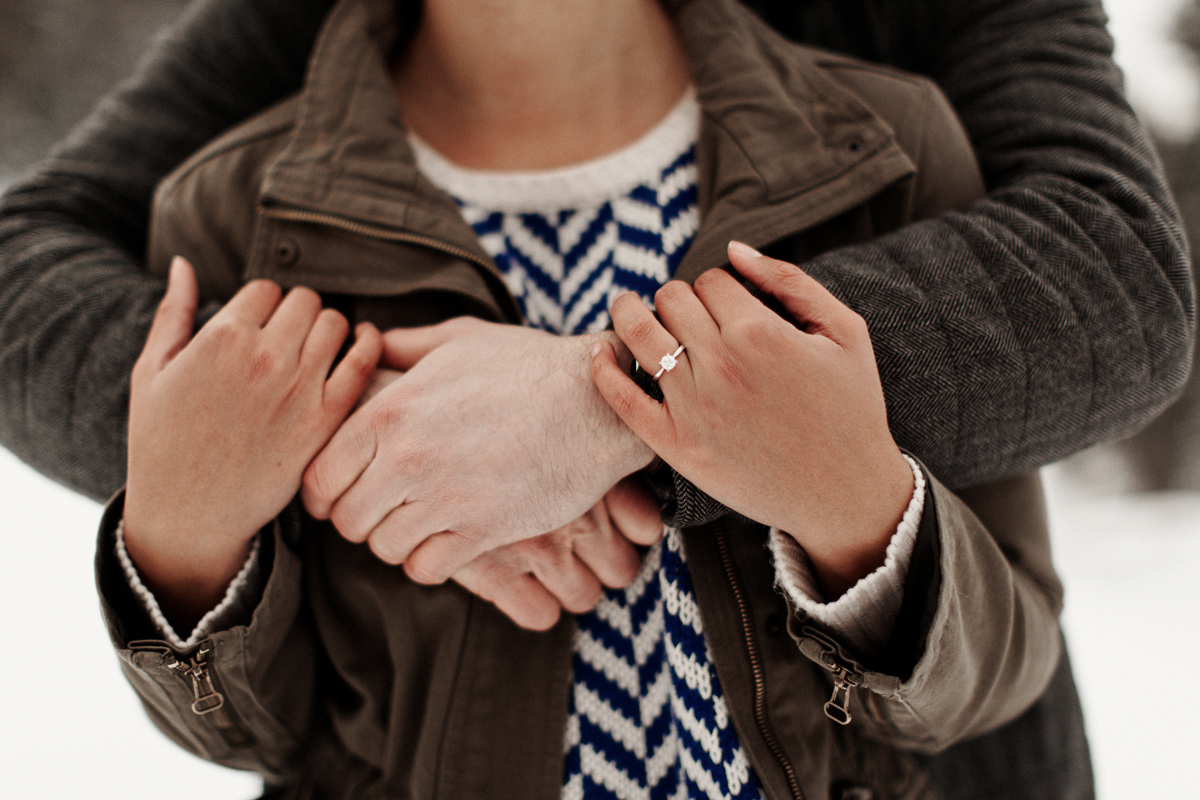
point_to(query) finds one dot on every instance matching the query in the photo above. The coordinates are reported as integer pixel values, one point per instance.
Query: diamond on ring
(668, 362)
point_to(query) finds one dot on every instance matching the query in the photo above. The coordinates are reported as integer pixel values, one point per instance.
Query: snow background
(70, 727)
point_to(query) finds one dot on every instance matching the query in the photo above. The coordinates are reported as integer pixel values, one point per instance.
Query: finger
(634, 511)
(436, 558)
(324, 340)
(352, 376)
(528, 603)
(564, 576)
(644, 335)
(726, 299)
(683, 315)
(809, 303)
(401, 531)
(336, 468)
(520, 597)
(381, 378)
(253, 304)
(604, 551)
(404, 347)
(176, 316)
(374, 496)
(645, 416)
(294, 317)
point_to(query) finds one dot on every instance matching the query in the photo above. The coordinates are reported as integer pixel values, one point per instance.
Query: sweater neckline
(582, 185)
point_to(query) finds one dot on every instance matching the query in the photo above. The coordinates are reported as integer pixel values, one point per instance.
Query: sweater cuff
(866, 614)
(233, 606)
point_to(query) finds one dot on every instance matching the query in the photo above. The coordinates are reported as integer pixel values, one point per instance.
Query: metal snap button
(286, 252)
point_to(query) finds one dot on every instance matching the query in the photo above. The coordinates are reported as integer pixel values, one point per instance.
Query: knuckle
(262, 286)
(333, 318)
(305, 295)
(425, 570)
(222, 333)
(351, 528)
(670, 292)
(387, 416)
(583, 598)
(544, 549)
(731, 370)
(642, 331)
(383, 547)
(263, 365)
(756, 333)
(625, 403)
(857, 326)
(541, 616)
(709, 279)
(315, 484)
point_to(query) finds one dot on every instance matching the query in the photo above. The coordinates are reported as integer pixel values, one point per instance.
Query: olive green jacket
(348, 680)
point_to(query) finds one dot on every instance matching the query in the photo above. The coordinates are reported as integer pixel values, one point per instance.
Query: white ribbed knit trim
(867, 612)
(208, 622)
(575, 187)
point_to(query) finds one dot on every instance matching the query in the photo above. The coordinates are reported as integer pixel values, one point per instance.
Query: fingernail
(596, 348)
(743, 250)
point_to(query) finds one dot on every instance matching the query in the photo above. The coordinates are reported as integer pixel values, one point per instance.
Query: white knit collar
(578, 186)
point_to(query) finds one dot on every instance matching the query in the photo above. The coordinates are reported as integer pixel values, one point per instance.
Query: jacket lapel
(782, 145)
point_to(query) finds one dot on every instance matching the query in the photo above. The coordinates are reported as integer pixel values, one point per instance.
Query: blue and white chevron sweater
(647, 716)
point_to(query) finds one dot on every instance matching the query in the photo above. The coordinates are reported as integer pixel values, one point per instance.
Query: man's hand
(496, 433)
(222, 426)
(785, 425)
(533, 580)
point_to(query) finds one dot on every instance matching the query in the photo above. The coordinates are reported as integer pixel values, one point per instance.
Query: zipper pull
(845, 677)
(207, 699)
(843, 682)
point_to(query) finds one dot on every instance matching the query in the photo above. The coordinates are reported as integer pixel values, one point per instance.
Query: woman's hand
(784, 423)
(533, 580)
(221, 428)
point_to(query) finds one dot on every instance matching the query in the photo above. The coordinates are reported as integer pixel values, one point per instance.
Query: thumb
(176, 316)
(404, 347)
(808, 302)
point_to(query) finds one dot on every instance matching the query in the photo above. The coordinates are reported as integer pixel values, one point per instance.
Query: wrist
(857, 545)
(187, 568)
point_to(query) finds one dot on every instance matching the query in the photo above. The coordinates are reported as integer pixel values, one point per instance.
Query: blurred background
(1126, 516)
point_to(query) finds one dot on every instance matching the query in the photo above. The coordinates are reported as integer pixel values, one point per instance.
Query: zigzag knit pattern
(647, 718)
(564, 268)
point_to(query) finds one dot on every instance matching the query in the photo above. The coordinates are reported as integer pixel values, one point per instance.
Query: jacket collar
(782, 145)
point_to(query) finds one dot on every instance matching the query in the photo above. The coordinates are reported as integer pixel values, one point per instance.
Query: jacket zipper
(378, 232)
(846, 676)
(756, 667)
(206, 700)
